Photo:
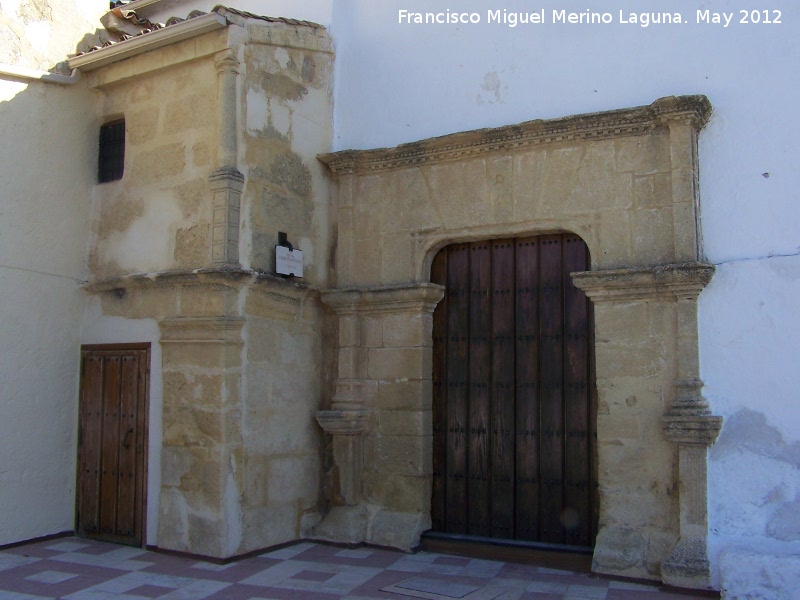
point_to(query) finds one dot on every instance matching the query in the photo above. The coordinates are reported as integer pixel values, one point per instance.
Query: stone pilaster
(380, 416)
(687, 422)
(226, 188)
(226, 182)
(684, 121)
(202, 445)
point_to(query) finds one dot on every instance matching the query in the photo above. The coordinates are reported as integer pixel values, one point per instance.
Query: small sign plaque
(288, 262)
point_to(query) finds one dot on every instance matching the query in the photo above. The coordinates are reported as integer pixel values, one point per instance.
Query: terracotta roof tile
(221, 9)
(123, 24)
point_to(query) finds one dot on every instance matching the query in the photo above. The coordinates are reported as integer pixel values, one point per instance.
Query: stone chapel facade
(276, 409)
(213, 123)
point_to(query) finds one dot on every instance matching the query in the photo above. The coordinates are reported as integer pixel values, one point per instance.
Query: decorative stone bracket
(688, 422)
(346, 428)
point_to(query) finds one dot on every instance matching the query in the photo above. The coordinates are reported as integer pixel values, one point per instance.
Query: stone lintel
(342, 422)
(663, 281)
(693, 110)
(390, 299)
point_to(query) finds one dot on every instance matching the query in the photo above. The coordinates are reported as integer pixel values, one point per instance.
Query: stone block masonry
(626, 182)
(220, 157)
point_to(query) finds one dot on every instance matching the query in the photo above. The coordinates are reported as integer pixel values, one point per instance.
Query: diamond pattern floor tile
(79, 569)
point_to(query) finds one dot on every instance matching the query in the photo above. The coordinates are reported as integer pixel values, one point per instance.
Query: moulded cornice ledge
(648, 282)
(148, 41)
(212, 278)
(693, 110)
(384, 299)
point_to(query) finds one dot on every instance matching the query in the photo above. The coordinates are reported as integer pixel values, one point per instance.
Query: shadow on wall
(47, 168)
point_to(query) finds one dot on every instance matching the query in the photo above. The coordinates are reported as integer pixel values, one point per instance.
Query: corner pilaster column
(226, 182)
(687, 422)
(684, 120)
(380, 407)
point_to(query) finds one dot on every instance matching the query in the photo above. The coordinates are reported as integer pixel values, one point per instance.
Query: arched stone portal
(626, 182)
(514, 394)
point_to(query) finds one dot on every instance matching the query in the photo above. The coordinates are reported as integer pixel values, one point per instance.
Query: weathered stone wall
(380, 418)
(287, 107)
(40, 34)
(630, 197)
(283, 378)
(186, 238)
(626, 182)
(157, 217)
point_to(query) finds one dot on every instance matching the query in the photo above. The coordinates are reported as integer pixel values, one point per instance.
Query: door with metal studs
(514, 402)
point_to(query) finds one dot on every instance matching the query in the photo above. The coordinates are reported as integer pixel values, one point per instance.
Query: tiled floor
(79, 569)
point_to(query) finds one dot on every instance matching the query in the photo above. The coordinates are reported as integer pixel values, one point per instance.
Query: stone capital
(226, 62)
(342, 422)
(691, 430)
(689, 420)
(664, 281)
(226, 178)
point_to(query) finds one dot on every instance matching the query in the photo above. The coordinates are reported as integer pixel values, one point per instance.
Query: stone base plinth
(357, 524)
(342, 525)
(687, 565)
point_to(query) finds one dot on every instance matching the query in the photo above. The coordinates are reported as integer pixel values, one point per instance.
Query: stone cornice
(693, 110)
(275, 288)
(384, 299)
(641, 283)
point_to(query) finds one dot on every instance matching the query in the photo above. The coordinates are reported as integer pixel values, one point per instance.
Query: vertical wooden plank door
(112, 442)
(513, 407)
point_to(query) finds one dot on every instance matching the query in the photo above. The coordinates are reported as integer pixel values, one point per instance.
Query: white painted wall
(47, 165)
(398, 83)
(45, 171)
(101, 329)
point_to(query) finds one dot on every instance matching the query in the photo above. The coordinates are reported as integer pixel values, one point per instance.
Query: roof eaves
(148, 40)
(227, 11)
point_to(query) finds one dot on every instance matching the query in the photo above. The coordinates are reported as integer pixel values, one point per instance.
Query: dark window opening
(111, 162)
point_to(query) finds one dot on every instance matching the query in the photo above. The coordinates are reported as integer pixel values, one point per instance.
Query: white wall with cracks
(399, 82)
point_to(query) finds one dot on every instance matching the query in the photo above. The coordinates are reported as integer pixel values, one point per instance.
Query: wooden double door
(112, 442)
(514, 417)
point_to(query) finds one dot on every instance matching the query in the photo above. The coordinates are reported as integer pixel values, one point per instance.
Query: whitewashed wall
(47, 165)
(398, 83)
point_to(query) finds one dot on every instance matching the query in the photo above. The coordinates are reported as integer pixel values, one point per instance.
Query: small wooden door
(112, 442)
(514, 404)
